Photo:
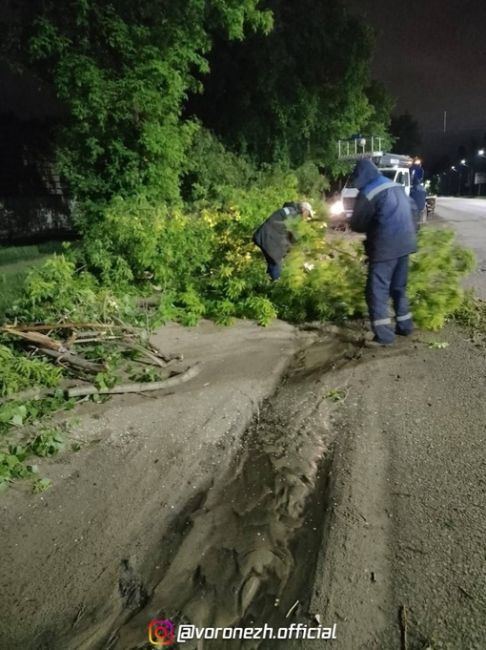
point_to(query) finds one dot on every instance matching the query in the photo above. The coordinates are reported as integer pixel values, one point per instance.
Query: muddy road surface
(358, 500)
(402, 563)
(355, 499)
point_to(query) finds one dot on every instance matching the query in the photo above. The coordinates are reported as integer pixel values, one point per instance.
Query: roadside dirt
(405, 529)
(366, 512)
(80, 559)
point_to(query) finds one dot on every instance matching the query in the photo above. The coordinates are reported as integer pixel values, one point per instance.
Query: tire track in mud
(253, 543)
(235, 563)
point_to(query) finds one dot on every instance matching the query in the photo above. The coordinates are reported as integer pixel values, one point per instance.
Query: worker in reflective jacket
(382, 211)
(419, 196)
(274, 237)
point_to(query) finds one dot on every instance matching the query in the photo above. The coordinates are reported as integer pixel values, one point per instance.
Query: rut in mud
(249, 549)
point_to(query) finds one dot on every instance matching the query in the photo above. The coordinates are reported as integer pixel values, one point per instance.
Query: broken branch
(137, 387)
(73, 360)
(35, 337)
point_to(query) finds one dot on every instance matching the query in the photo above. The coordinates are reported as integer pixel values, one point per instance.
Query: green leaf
(17, 420)
(41, 485)
(439, 345)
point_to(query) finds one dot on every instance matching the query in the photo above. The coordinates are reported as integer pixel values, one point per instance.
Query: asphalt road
(402, 559)
(468, 218)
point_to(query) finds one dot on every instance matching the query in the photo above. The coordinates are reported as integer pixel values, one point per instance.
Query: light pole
(481, 153)
(453, 169)
(463, 164)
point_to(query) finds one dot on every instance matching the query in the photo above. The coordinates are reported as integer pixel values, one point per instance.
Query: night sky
(431, 56)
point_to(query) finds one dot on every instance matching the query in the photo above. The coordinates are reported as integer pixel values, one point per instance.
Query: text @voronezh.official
(163, 633)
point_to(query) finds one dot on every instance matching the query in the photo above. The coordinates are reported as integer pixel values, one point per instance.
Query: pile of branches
(66, 344)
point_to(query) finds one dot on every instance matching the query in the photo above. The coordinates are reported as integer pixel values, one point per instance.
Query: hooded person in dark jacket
(419, 196)
(274, 237)
(382, 211)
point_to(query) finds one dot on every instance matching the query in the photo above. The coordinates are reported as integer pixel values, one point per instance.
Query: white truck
(394, 166)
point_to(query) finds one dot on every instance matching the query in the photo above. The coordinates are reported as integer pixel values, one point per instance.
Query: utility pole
(445, 121)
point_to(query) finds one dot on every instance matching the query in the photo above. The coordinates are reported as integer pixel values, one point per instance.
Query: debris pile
(98, 359)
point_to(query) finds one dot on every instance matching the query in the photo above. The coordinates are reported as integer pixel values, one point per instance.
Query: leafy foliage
(48, 443)
(60, 290)
(206, 265)
(17, 448)
(123, 70)
(435, 274)
(312, 89)
(18, 372)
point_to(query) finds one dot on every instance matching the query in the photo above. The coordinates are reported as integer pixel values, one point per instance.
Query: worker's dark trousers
(273, 269)
(385, 280)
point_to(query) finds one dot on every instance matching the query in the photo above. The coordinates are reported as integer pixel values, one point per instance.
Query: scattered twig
(292, 609)
(73, 360)
(93, 339)
(45, 327)
(156, 360)
(404, 627)
(165, 356)
(86, 391)
(466, 593)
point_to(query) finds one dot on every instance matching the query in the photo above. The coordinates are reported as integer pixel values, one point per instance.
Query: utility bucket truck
(394, 166)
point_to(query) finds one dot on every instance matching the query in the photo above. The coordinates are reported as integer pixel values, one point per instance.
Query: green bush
(205, 264)
(18, 372)
(436, 271)
(472, 313)
(58, 290)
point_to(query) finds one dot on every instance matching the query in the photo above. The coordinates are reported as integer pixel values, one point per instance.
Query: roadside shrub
(57, 291)
(436, 272)
(18, 372)
(472, 313)
(206, 265)
(321, 282)
(310, 181)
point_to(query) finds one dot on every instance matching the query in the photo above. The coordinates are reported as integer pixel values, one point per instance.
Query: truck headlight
(337, 208)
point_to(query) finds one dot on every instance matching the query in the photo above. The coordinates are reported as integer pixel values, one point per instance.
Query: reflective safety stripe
(406, 317)
(380, 188)
(382, 321)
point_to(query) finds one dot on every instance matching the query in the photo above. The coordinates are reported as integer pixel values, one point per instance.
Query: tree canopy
(291, 93)
(277, 81)
(123, 70)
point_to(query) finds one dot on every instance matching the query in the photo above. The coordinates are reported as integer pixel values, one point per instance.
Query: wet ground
(252, 544)
(355, 497)
(358, 499)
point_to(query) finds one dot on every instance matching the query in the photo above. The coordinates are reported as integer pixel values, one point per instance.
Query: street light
(481, 152)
